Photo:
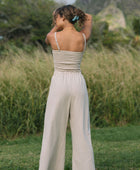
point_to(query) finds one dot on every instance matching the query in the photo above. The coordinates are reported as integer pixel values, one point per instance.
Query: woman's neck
(69, 28)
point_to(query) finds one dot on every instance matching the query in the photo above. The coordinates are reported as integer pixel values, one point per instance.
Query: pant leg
(82, 155)
(52, 155)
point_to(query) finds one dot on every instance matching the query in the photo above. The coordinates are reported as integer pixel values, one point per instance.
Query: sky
(66, 1)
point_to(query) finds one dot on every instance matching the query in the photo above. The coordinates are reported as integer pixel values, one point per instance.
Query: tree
(27, 20)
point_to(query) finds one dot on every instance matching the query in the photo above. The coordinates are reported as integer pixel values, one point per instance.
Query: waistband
(67, 70)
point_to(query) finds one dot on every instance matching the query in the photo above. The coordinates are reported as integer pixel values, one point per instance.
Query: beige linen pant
(67, 97)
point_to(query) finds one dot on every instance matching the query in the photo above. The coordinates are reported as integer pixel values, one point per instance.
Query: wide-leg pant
(68, 97)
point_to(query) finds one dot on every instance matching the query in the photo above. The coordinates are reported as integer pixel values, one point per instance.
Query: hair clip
(75, 18)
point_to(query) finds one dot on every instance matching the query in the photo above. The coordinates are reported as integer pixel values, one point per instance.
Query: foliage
(118, 37)
(26, 21)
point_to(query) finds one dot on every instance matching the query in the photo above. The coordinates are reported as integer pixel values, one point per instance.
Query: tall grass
(24, 84)
(113, 82)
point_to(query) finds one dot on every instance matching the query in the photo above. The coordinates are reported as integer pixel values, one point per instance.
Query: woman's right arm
(87, 27)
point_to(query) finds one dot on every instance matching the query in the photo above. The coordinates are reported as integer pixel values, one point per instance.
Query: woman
(68, 96)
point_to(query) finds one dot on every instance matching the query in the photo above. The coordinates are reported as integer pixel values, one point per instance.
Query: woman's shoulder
(66, 35)
(69, 34)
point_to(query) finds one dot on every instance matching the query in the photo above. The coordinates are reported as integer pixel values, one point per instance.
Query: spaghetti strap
(85, 41)
(57, 42)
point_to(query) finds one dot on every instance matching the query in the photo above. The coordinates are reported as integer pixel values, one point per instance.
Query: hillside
(113, 15)
(129, 7)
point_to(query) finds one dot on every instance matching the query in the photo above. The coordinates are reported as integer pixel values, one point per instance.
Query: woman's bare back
(68, 40)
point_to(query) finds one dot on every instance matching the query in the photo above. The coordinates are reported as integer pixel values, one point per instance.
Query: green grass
(115, 148)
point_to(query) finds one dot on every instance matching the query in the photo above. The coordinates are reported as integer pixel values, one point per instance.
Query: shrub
(136, 25)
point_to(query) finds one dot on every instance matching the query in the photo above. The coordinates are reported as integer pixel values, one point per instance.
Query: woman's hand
(53, 17)
(53, 12)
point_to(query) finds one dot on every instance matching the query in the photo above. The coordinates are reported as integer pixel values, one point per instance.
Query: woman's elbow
(47, 39)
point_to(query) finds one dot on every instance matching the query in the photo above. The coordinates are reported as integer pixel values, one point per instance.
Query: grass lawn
(115, 148)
